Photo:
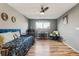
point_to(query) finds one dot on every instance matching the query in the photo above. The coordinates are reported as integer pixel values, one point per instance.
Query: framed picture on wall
(13, 19)
(4, 16)
(65, 19)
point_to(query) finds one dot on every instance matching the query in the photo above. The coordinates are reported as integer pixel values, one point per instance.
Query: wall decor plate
(13, 19)
(4, 16)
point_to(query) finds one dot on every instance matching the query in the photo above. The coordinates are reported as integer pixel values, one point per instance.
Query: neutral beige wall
(21, 21)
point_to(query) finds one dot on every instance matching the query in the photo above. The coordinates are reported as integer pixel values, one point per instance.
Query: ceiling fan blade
(46, 8)
(42, 9)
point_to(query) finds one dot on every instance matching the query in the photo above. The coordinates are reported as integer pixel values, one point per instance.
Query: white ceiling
(32, 10)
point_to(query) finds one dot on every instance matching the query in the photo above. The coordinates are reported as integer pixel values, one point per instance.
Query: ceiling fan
(43, 9)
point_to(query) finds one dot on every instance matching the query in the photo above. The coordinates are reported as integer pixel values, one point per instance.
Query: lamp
(1, 39)
(1, 42)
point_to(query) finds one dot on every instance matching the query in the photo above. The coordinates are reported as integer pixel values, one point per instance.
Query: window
(42, 25)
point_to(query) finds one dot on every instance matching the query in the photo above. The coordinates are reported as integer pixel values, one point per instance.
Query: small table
(0, 49)
(4, 52)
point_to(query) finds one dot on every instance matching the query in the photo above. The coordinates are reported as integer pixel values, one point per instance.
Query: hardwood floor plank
(51, 48)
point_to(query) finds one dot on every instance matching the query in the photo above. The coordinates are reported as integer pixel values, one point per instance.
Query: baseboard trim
(71, 47)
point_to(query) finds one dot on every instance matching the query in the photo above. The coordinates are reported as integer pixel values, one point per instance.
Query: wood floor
(50, 48)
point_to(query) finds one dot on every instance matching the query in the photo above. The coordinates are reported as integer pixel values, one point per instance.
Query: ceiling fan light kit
(42, 13)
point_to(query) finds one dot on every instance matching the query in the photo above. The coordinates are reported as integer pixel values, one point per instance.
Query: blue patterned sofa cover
(20, 46)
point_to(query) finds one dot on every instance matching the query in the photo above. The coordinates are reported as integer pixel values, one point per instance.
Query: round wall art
(13, 19)
(4, 16)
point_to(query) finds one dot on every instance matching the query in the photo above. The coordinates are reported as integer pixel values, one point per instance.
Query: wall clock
(13, 19)
(4, 16)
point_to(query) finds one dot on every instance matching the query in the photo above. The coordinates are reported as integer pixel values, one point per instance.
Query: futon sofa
(19, 46)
